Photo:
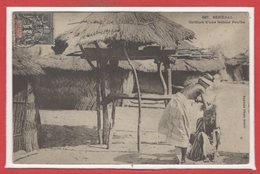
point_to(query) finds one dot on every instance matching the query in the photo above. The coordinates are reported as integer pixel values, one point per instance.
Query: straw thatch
(65, 63)
(193, 65)
(25, 66)
(78, 64)
(133, 27)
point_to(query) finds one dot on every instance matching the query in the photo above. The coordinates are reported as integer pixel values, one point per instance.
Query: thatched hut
(184, 72)
(26, 117)
(238, 67)
(70, 83)
(120, 33)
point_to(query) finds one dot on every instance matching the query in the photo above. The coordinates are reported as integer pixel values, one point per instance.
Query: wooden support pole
(105, 107)
(99, 117)
(139, 98)
(169, 74)
(106, 124)
(159, 65)
(113, 114)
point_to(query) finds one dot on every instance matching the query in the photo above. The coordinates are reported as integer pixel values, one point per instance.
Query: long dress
(175, 122)
(204, 143)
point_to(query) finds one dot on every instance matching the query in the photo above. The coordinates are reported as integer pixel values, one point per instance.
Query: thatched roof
(25, 66)
(191, 62)
(191, 65)
(78, 64)
(240, 59)
(140, 28)
(62, 62)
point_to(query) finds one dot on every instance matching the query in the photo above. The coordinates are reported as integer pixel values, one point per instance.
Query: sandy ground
(69, 137)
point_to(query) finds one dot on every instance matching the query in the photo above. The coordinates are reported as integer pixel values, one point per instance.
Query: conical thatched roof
(133, 27)
(25, 66)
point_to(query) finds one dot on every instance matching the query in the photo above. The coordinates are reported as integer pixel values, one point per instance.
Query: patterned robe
(205, 139)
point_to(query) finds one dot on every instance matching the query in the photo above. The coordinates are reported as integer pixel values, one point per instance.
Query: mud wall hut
(70, 83)
(238, 67)
(26, 116)
(186, 65)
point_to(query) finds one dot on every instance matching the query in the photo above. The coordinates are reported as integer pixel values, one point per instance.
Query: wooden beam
(153, 97)
(89, 62)
(118, 54)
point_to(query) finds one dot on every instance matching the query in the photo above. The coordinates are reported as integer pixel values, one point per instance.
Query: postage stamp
(33, 28)
(134, 88)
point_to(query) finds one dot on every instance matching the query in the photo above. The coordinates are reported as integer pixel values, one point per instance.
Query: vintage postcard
(134, 88)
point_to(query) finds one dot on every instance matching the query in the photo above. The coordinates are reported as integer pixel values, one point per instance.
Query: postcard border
(9, 143)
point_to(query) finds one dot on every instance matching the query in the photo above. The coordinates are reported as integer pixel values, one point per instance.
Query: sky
(228, 32)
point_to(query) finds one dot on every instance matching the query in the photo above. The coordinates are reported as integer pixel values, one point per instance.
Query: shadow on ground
(60, 136)
(235, 158)
(135, 158)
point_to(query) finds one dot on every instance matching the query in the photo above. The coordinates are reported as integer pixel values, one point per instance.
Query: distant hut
(238, 67)
(26, 117)
(185, 70)
(70, 83)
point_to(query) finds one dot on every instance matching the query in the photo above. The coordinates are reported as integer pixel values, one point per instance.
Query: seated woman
(206, 139)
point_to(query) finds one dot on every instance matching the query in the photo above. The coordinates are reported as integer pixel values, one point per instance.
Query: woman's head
(193, 91)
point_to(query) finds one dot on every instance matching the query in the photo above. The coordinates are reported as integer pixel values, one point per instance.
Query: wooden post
(162, 80)
(113, 114)
(169, 74)
(139, 98)
(98, 84)
(105, 108)
(102, 73)
(105, 135)
(99, 117)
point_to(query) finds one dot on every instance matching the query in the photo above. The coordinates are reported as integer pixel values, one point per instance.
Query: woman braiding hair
(176, 119)
(206, 139)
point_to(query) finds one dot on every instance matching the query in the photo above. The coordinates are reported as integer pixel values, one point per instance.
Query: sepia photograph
(130, 88)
